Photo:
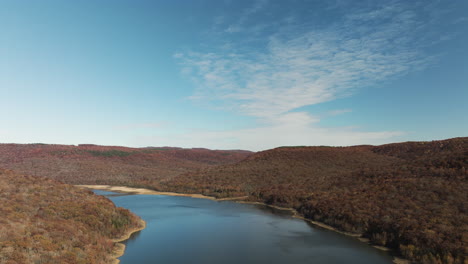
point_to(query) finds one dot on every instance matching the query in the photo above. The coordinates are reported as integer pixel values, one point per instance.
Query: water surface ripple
(190, 230)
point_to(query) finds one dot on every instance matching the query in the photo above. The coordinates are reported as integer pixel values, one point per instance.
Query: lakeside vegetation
(44, 221)
(410, 197)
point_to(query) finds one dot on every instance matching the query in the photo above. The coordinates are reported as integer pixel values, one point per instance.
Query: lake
(190, 230)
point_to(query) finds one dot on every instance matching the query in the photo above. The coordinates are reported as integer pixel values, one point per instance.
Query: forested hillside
(43, 221)
(92, 164)
(411, 197)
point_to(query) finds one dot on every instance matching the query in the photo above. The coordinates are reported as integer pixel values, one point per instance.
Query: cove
(190, 230)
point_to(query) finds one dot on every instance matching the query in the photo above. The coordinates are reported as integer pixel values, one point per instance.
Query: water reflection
(187, 230)
(273, 210)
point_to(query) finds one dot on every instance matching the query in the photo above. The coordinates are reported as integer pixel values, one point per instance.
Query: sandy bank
(124, 189)
(119, 248)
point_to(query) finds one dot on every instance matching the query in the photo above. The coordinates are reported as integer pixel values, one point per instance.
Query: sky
(232, 74)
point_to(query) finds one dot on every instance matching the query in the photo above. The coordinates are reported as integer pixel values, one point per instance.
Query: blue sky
(232, 74)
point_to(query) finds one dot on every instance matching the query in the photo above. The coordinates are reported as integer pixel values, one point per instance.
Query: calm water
(188, 230)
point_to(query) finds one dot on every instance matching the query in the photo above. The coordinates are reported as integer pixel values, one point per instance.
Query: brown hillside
(92, 164)
(43, 221)
(410, 196)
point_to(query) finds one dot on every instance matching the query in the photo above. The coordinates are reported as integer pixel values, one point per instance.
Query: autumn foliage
(411, 197)
(44, 221)
(93, 164)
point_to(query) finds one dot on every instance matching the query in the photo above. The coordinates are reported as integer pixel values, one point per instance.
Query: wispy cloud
(303, 65)
(244, 17)
(311, 67)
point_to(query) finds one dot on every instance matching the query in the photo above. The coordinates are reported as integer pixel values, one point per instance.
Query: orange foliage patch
(43, 221)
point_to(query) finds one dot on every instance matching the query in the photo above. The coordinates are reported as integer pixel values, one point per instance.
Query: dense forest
(93, 164)
(44, 221)
(411, 197)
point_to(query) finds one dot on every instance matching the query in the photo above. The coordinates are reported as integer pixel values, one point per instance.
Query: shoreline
(131, 190)
(124, 189)
(119, 248)
(295, 214)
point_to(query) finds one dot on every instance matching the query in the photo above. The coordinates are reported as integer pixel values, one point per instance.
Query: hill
(410, 197)
(93, 164)
(44, 221)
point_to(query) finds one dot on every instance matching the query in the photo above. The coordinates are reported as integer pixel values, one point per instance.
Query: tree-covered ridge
(411, 197)
(44, 221)
(93, 164)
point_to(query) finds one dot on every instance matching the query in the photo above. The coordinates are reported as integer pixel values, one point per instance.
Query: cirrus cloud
(307, 65)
